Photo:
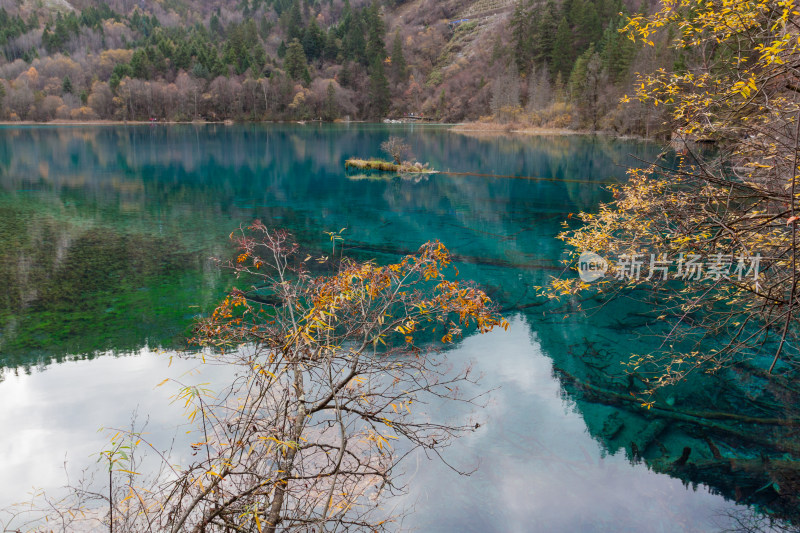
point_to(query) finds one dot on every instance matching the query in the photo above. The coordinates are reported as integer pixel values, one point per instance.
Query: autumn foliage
(336, 380)
(334, 377)
(737, 92)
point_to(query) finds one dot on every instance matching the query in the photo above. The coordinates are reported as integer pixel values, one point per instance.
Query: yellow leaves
(336, 236)
(255, 513)
(263, 371)
(379, 440)
(408, 326)
(129, 496)
(283, 444)
(257, 519)
(398, 407)
(356, 381)
(745, 87)
(699, 97)
(189, 395)
(772, 52)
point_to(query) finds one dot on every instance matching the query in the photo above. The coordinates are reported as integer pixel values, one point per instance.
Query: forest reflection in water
(97, 221)
(105, 240)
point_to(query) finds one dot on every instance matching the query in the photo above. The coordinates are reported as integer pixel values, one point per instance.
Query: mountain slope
(448, 60)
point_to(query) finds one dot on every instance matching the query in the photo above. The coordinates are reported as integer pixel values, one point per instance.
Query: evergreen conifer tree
(331, 109)
(379, 98)
(295, 63)
(215, 25)
(589, 26)
(313, 41)
(544, 31)
(66, 85)
(521, 37)
(617, 52)
(331, 50)
(562, 57)
(355, 47)
(346, 75)
(376, 33)
(399, 66)
(294, 22)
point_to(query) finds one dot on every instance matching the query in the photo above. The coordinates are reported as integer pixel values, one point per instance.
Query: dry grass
(557, 119)
(384, 166)
(496, 128)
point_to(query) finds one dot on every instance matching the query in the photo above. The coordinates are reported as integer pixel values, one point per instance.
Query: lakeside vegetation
(399, 151)
(386, 166)
(729, 206)
(560, 65)
(318, 407)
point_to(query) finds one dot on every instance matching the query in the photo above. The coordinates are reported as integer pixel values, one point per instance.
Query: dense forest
(557, 64)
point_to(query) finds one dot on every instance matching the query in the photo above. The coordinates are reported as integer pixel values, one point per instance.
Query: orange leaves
(382, 307)
(328, 368)
(398, 407)
(409, 326)
(379, 440)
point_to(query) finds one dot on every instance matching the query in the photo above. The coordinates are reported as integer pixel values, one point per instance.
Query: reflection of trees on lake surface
(735, 431)
(105, 235)
(104, 215)
(74, 286)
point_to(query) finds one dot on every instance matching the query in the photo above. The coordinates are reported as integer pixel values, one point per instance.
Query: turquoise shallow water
(106, 235)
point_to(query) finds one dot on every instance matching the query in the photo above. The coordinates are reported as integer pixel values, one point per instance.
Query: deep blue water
(106, 235)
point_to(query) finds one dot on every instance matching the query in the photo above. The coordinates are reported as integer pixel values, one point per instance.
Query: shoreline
(103, 122)
(477, 129)
(488, 129)
(109, 122)
(496, 128)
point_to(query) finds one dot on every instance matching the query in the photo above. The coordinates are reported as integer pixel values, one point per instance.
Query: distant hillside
(551, 63)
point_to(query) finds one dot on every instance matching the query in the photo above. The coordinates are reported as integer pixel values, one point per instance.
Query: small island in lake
(386, 166)
(399, 151)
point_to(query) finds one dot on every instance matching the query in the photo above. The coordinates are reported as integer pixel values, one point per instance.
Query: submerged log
(774, 484)
(685, 415)
(711, 422)
(683, 458)
(650, 434)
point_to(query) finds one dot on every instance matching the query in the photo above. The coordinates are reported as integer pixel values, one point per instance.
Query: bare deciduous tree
(397, 149)
(334, 375)
(540, 91)
(505, 95)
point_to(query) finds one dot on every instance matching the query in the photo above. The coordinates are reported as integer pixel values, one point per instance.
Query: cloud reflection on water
(540, 469)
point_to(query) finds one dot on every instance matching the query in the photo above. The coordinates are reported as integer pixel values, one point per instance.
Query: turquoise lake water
(106, 235)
